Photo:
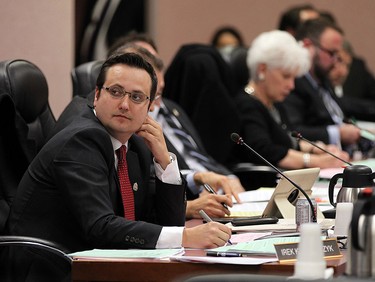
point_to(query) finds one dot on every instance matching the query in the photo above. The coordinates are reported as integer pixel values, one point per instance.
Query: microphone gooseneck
(238, 140)
(299, 136)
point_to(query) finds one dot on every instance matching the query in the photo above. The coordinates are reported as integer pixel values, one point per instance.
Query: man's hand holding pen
(210, 190)
(213, 205)
(209, 235)
(229, 185)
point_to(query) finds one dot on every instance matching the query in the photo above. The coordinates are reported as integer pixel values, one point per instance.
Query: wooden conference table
(84, 269)
(157, 270)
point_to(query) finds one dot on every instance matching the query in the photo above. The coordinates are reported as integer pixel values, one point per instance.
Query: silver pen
(209, 189)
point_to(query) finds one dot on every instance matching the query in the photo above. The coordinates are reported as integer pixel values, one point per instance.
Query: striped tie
(331, 105)
(190, 146)
(125, 185)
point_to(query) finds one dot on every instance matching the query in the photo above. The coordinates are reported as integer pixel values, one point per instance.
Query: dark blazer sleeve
(163, 204)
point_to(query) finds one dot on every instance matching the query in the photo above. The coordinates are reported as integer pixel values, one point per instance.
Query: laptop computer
(282, 202)
(284, 197)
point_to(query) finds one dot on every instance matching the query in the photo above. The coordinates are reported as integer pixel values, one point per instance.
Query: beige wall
(42, 31)
(174, 23)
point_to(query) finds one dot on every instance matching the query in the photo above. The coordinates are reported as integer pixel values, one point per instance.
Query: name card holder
(287, 252)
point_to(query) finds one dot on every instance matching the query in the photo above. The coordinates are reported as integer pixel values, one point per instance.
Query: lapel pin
(175, 112)
(135, 186)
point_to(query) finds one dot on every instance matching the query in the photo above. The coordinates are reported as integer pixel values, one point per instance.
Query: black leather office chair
(25, 83)
(84, 81)
(84, 77)
(15, 156)
(25, 121)
(237, 62)
(14, 160)
(53, 263)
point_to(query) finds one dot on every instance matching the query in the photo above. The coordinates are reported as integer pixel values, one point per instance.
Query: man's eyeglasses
(332, 54)
(118, 92)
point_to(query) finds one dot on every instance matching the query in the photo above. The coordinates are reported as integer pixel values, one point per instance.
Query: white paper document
(225, 260)
(132, 253)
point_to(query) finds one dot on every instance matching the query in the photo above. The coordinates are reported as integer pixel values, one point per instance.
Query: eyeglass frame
(332, 54)
(124, 93)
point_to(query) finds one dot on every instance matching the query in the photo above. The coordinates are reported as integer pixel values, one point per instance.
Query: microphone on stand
(238, 140)
(299, 136)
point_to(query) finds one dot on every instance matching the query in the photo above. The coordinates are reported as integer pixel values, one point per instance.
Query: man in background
(312, 106)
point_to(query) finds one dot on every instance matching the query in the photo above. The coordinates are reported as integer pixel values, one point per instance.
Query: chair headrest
(27, 86)
(238, 63)
(84, 77)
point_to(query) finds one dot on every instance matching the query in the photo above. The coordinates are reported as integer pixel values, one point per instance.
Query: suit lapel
(185, 122)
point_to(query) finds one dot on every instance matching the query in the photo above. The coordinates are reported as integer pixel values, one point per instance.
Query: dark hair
(327, 15)
(156, 62)
(226, 29)
(132, 60)
(132, 36)
(313, 29)
(290, 19)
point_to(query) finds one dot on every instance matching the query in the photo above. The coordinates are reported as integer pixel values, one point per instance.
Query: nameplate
(289, 251)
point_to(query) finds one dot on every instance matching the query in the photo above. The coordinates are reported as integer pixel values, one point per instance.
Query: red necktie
(125, 185)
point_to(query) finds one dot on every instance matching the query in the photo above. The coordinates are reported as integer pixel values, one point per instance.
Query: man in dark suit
(217, 178)
(312, 106)
(197, 170)
(70, 194)
(195, 163)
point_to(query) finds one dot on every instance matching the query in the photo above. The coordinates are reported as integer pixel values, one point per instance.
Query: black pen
(209, 189)
(208, 219)
(222, 254)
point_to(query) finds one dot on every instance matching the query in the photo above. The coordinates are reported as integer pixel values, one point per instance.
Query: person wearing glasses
(71, 195)
(196, 195)
(312, 107)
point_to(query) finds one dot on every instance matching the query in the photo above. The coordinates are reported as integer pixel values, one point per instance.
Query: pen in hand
(208, 219)
(209, 189)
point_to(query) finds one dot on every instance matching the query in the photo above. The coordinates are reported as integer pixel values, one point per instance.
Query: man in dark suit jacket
(70, 194)
(216, 175)
(312, 107)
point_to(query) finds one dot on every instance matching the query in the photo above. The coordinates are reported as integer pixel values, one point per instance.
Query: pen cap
(310, 257)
